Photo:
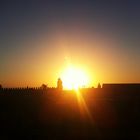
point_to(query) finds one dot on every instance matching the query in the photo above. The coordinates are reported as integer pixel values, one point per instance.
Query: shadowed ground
(43, 114)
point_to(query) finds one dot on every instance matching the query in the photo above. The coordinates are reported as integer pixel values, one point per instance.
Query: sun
(74, 78)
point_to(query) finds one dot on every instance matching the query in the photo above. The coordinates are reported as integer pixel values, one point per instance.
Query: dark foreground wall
(51, 114)
(122, 87)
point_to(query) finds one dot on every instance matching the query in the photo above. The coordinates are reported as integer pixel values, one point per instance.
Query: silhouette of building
(127, 87)
(59, 84)
(43, 86)
(99, 85)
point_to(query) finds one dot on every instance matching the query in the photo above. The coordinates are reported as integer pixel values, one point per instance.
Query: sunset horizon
(40, 40)
(70, 69)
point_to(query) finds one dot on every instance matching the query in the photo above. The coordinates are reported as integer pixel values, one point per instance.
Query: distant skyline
(40, 39)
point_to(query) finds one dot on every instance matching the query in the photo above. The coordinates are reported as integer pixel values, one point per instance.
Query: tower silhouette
(99, 85)
(59, 84)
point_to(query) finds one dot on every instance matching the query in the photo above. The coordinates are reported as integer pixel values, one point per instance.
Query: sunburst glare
(74, 78)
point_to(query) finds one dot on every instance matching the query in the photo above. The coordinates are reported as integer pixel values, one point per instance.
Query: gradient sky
(38, 39)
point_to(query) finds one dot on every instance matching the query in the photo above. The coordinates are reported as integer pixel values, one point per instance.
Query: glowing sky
(39, 39)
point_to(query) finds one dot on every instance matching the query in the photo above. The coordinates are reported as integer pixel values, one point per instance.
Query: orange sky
(49, 57)
(39, 40)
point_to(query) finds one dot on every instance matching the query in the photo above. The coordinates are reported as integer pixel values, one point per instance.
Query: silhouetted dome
(44, 86)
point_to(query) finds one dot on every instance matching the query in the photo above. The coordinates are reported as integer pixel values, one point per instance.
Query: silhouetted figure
(0, 86)
(99, 85)
(59, 84)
